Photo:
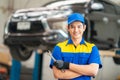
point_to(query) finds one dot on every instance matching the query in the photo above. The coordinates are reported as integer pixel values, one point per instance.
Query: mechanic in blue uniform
(76, 58)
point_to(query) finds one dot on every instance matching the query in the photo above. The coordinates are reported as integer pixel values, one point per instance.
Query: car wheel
(20, 53)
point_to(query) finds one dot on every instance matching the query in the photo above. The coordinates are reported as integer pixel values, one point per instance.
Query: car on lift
(27, 30)
(30, 29)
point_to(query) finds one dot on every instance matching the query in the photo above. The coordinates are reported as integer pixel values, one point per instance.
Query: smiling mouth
(76, 33)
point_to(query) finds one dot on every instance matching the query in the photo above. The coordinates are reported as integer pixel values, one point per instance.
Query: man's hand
(61, 64)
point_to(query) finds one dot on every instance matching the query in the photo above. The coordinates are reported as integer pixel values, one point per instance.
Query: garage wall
(19, 4)
(3, 17)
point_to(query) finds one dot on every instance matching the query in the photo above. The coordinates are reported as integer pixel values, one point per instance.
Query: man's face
(76, 29)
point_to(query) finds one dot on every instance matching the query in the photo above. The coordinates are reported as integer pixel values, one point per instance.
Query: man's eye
(80, 26)
(72, 26)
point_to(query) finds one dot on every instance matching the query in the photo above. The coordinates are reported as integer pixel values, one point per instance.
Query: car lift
(37, 71)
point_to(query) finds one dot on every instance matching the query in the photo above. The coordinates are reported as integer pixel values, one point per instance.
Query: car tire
(20, 53)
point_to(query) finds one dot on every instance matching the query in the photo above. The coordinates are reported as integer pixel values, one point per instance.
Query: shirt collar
(71, 42)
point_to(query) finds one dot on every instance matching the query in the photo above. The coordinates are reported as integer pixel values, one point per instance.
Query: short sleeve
(56, 53)
(95, 57)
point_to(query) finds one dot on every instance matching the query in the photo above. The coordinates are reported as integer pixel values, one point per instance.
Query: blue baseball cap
(75, 17)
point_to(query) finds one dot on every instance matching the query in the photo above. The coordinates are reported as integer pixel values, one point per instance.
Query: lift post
(37, 71)
(15, 70)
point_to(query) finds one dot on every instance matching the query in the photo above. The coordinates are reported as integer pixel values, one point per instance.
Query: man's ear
(84, 27)
(67, 27)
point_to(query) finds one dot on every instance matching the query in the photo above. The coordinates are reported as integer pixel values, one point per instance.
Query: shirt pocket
(83, 58)
(68, 57)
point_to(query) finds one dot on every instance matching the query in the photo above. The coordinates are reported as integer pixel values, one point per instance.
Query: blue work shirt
(84, 53)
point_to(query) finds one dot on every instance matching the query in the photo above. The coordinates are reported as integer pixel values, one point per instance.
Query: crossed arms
(76, 71)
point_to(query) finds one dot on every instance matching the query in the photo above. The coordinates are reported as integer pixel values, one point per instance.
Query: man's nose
(75, 29)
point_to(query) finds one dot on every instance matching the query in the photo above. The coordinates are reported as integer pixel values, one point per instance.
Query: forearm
(67, 74)
(90, 70)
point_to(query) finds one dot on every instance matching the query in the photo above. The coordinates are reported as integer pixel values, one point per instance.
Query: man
(76, 58)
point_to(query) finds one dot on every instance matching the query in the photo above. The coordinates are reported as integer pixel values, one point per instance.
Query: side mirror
(97, 6)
